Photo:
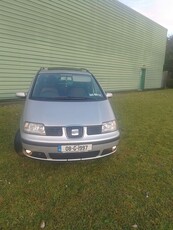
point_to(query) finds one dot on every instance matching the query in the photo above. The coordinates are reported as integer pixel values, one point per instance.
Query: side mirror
(21, 94)
(109, 95)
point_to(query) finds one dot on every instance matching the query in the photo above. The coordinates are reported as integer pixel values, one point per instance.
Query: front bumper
(48, 151)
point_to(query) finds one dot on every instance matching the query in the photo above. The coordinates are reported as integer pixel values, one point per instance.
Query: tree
(168, 65)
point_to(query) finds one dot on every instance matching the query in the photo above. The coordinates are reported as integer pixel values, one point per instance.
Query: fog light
(114, 148)
(28, 152)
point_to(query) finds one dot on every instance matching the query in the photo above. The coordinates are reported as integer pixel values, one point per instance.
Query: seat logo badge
(75, 132)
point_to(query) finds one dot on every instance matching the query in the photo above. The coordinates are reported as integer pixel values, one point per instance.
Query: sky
(160, 11)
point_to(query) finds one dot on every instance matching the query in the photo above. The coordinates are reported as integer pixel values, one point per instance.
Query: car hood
(68, 113)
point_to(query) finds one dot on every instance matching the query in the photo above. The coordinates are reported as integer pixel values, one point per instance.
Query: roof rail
(64, 68)
(83, 69)
(43, 68)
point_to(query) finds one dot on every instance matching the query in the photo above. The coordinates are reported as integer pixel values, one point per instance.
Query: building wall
(105, 36)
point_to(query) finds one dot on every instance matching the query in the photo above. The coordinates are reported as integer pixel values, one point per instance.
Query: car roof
(64, 70)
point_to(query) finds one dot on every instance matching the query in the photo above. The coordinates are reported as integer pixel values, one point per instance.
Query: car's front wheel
(18, 143)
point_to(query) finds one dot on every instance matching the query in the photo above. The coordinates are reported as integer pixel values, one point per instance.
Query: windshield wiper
(79, 98)
(64, 98)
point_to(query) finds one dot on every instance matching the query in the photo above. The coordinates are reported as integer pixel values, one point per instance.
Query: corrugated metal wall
(106, 37)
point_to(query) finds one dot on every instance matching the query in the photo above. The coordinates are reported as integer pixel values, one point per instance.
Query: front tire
(18, 143)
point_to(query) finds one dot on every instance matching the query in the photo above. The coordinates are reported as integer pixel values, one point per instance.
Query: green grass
(132, 187)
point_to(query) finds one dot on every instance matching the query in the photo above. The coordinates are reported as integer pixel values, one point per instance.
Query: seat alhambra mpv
(67, 117)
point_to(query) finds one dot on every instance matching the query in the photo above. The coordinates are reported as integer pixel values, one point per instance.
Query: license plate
(74, 148)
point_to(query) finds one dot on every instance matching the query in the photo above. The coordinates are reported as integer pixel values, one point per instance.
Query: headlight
(34, 128)
(109, 126)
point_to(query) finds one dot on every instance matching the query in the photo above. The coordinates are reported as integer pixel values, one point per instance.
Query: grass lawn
(132, 189)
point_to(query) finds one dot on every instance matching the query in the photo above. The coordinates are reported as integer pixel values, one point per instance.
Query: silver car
(67, 117)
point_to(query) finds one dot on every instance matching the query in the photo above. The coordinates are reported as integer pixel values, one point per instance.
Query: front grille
(74, 155)
(53, 131)
(74, 131)
(57, 131)
(94, 129)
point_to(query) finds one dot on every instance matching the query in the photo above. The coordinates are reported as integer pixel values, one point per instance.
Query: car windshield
(66, 86)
